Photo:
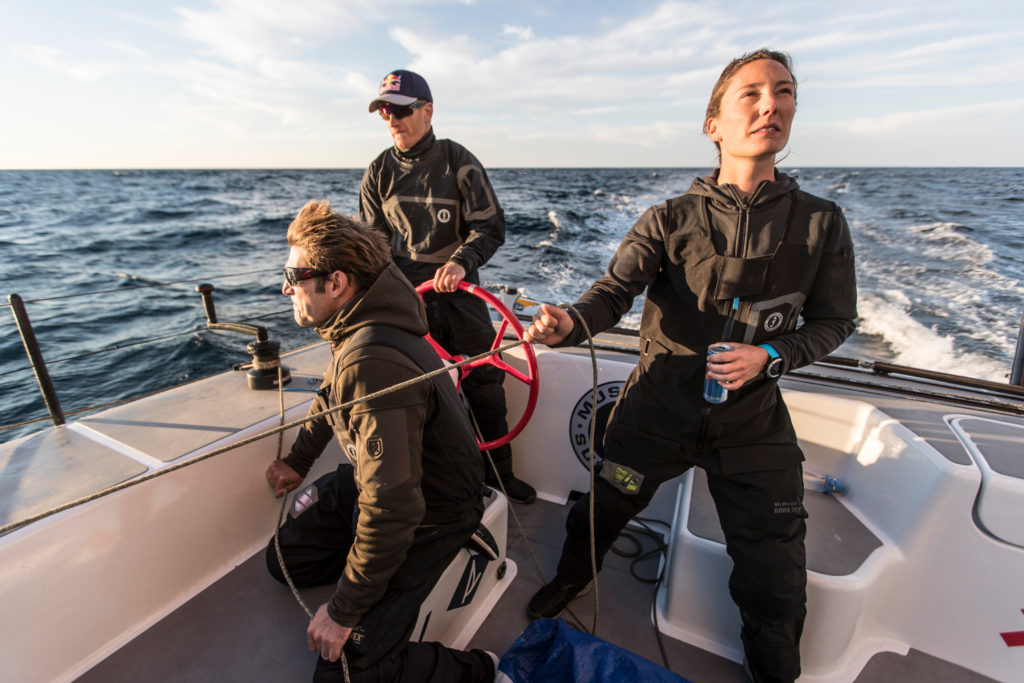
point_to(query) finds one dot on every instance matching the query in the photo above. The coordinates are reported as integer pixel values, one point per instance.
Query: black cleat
(552, 598)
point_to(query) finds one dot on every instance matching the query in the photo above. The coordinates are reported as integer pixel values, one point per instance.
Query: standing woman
(748, 259)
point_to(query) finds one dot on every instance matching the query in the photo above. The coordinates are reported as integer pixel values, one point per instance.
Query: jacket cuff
(302, 465)
(346, 620)
(459, 260)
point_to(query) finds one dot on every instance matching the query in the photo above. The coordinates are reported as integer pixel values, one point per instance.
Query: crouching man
(385, 527)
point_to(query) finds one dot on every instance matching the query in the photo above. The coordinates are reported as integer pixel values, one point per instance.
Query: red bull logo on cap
(391, 82)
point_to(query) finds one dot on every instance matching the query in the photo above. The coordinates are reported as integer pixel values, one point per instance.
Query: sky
(286, 83)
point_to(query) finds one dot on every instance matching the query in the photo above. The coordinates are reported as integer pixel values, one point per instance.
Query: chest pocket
(741, 277)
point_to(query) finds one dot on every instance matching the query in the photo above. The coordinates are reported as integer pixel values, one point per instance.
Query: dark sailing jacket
(417, 465)
(786, 255)
(438, 204)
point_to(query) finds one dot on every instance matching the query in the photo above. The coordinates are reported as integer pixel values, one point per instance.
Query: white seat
(471, 585)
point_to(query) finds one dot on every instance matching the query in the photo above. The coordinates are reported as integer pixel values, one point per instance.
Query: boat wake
(914, 344)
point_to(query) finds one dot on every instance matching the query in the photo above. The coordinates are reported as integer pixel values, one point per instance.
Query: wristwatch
(773, 370)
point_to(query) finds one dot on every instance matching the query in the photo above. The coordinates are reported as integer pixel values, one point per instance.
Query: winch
(263, 371)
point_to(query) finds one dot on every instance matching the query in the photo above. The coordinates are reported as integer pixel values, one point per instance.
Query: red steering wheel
(531, 379)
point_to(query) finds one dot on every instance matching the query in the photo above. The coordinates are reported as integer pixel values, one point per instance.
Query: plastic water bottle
(714, 392)
(822, 483)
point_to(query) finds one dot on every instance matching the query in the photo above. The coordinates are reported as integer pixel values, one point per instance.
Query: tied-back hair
(336, 242)
(715, 104)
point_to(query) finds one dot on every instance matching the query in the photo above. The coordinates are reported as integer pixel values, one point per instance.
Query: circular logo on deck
(773, 322)
(579, 424)
(444, 215)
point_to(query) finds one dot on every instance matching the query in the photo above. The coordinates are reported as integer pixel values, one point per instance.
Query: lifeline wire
(156, 284)
(248, 440)
(118, 347)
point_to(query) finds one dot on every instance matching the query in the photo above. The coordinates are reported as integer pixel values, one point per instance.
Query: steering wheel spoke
(502, 365)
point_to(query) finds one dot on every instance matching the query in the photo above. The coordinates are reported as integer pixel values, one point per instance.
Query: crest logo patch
(444, 215)
(375, 446)
(773, 322)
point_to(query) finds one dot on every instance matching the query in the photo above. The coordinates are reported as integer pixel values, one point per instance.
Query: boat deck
(248, 628)
(244, 626)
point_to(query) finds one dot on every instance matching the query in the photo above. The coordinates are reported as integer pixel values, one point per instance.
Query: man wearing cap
(435, 200)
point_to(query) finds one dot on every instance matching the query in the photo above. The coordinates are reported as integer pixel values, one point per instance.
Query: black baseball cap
(401, 87)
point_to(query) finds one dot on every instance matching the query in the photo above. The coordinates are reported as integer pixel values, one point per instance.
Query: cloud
(123, 47)
(642, 59)
(53, 59)
(949, 117)
(245, 94)
(246, 31)
(557, 74)
(521, 32)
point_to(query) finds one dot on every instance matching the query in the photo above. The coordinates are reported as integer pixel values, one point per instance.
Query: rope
(638, 556)
(515, 517)
(592, 468)
(282, 427)
(248, 440)
(280, 521)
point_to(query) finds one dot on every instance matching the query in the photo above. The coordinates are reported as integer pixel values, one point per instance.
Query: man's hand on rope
(326, 636)
(282, 478)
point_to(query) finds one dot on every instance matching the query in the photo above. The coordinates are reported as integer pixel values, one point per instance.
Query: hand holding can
(714, 392)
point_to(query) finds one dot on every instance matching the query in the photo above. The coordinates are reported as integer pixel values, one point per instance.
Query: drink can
(714, 392)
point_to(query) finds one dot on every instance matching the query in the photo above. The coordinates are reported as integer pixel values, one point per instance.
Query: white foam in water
(944, 241)
(553, 219)
(915, 345)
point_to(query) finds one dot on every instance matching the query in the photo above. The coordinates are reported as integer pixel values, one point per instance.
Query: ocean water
(108, 260)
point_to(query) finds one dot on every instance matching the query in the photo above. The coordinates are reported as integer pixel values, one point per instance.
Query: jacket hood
(390, 300)
(729, 196)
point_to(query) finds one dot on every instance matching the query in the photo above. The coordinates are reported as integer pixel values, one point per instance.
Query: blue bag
(549, 650)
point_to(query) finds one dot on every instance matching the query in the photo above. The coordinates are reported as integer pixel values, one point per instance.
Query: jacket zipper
(743, 227)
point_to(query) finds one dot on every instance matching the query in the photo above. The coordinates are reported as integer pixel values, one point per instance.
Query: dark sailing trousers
(762, 515)
(462, 326)
(315, 545)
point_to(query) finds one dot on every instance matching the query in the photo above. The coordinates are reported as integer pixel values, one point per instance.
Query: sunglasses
(295, 275)
(399, 111)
